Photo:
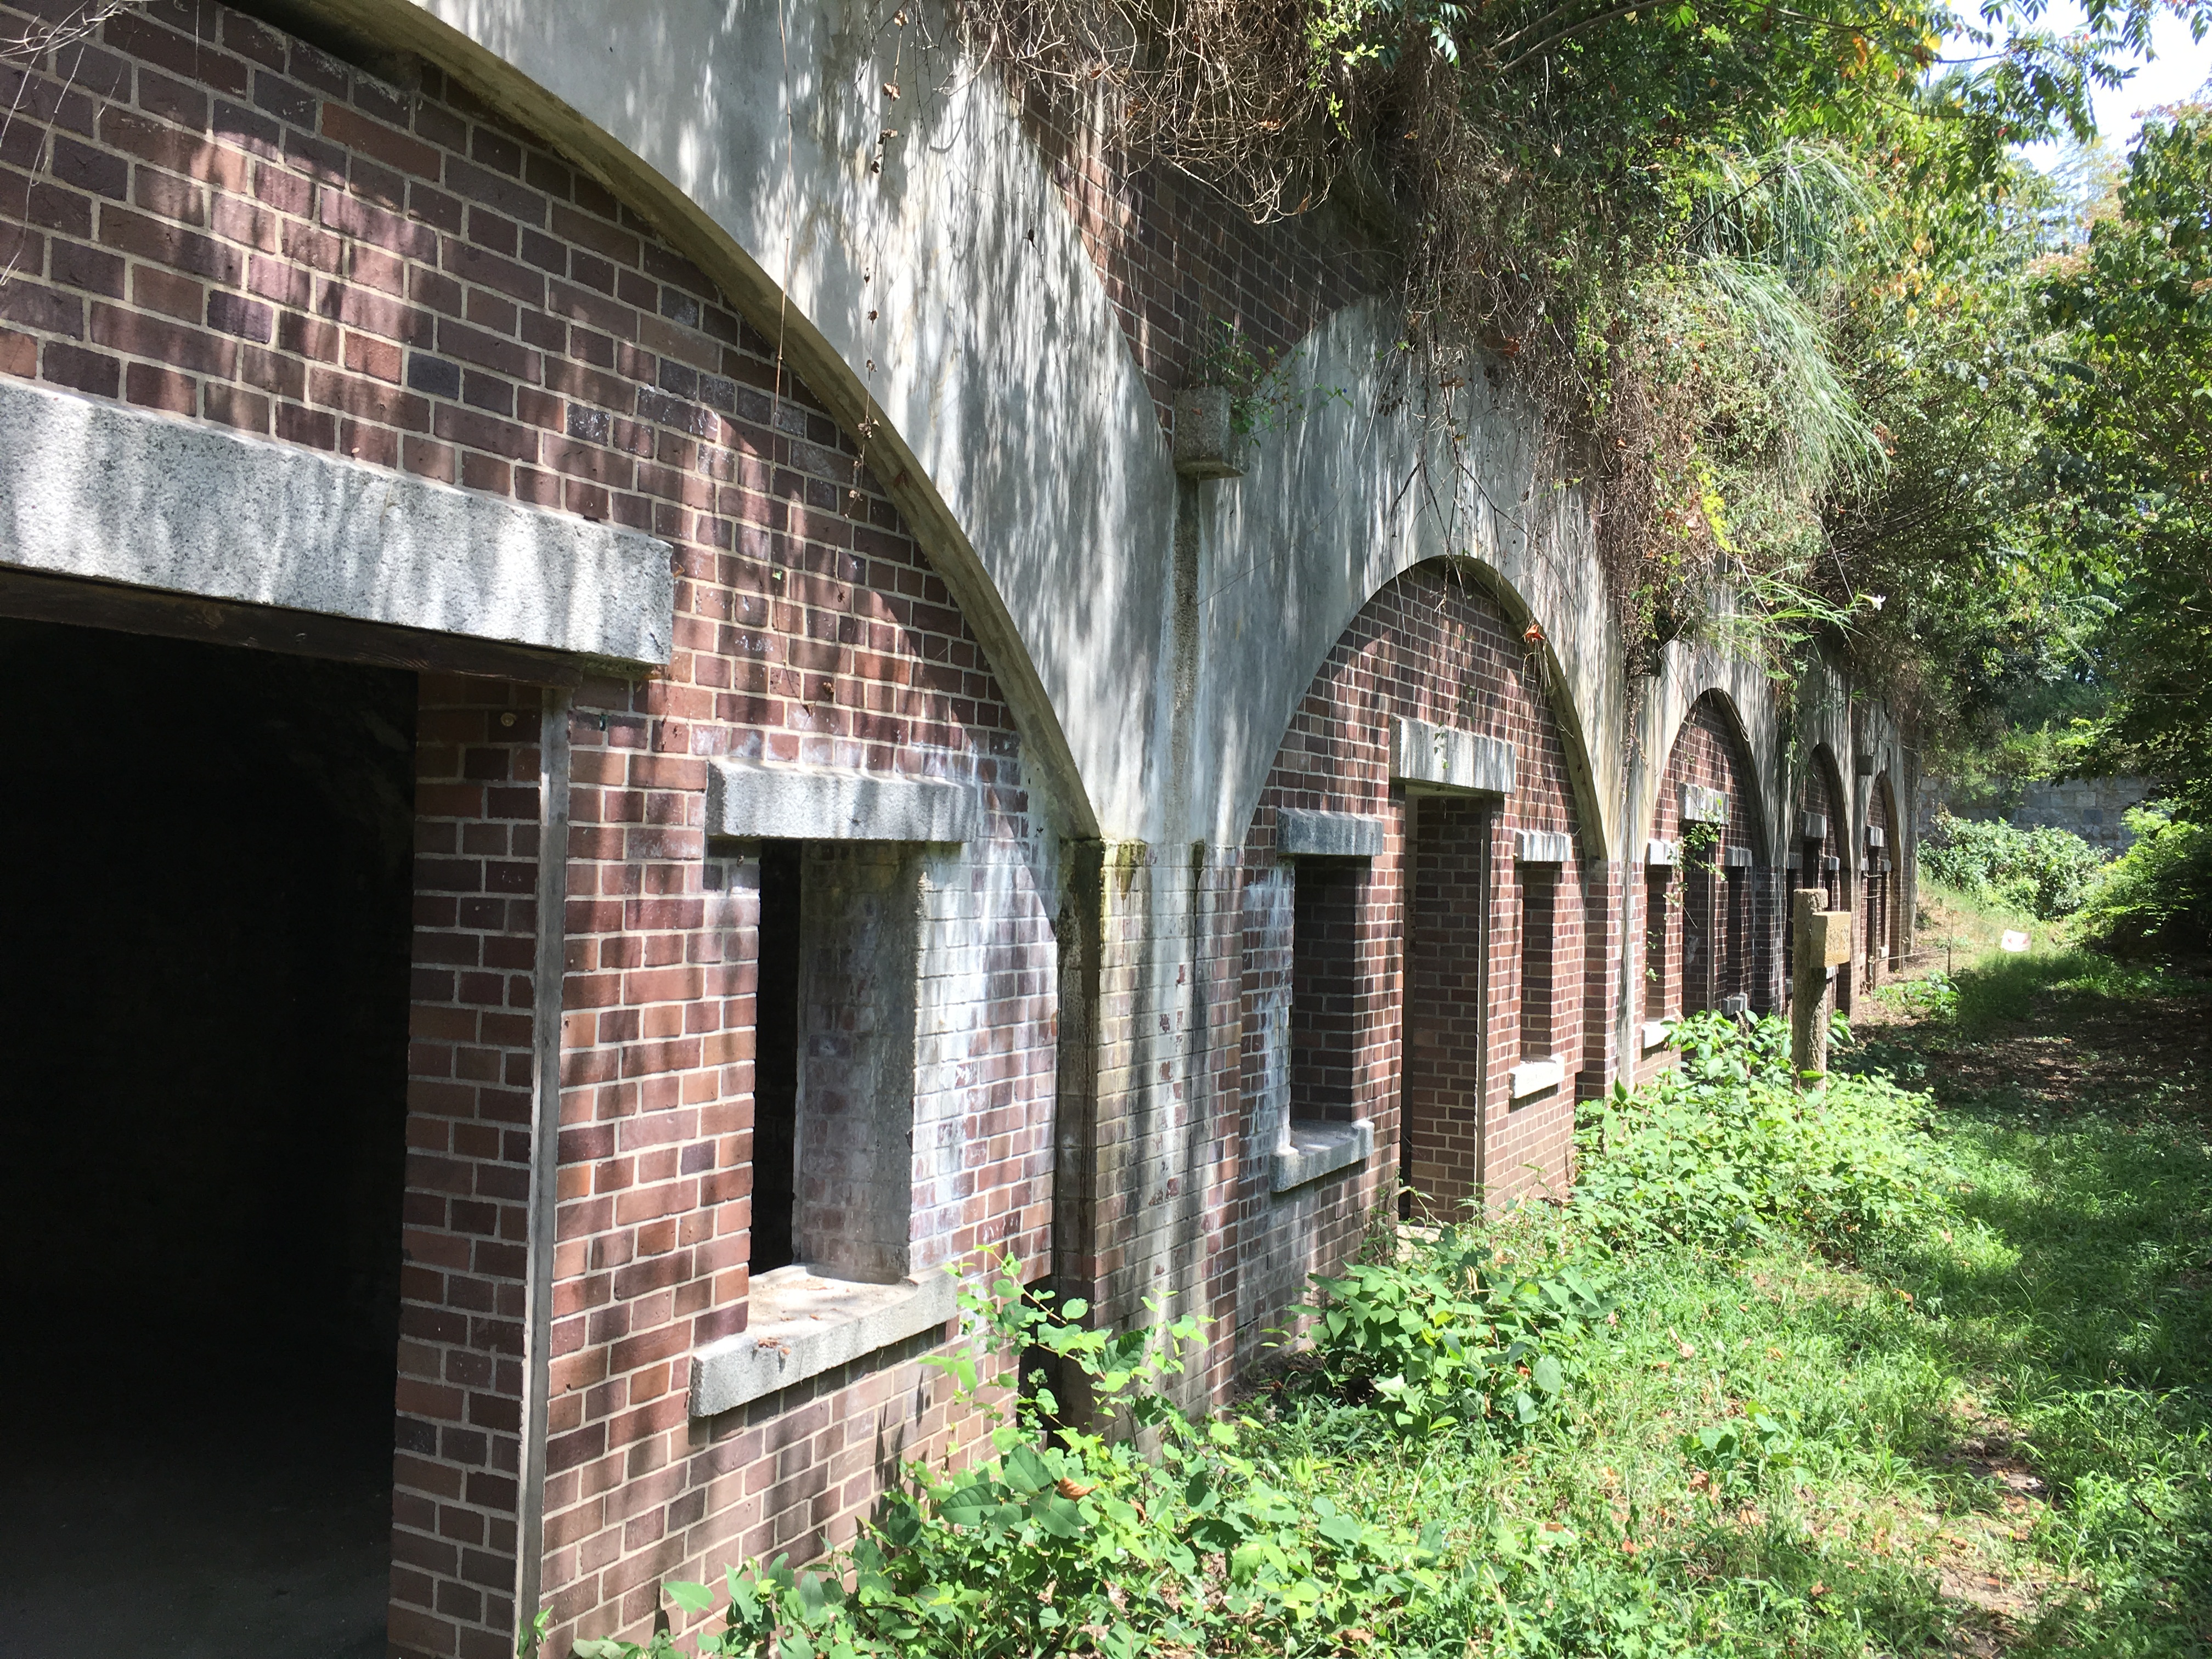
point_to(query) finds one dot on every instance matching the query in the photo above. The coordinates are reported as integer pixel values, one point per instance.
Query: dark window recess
(1698, 994)
(1324, 991)
(1539, 896)
(1737, 981)
(776, 1059)
(1656, 988)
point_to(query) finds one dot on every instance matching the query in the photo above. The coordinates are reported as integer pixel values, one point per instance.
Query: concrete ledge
(1812, 826)
(1444, 757)
(1317, 1149)
(1661, 854)
(1533, 1077)
(1655, 1034)
(1305, 834)
(1703, 805)
(802, 1324)
(1206, 442)
(112, 494)
(1736, 858)
(1540, 846)
(806, 802)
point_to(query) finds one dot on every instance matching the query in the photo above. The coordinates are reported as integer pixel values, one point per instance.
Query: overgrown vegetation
(2044, 872)
(1918, 1373)
(1766, 271)
(2156, 901)
(1725, 1151)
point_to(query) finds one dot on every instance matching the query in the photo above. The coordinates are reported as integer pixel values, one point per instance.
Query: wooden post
(1808, 987)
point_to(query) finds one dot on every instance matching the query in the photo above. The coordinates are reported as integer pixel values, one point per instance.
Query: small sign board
(2014, 941)
(1830, 935)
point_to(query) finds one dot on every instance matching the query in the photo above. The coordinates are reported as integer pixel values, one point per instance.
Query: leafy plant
(1442, 1336)
(2157, 899)
(1933, 996)
(2045, 872)
(1262, 397)
(1724, 1150)
(1738, 1451)
(1164, 1535)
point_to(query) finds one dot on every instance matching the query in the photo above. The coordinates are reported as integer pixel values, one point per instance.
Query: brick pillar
(1602, 947)
(472, 1076)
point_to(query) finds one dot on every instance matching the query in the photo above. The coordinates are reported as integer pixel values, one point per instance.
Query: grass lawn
(1994, 1435)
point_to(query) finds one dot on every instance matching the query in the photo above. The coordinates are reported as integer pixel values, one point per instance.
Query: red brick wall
(1178, 260)
(210, 219)
(1882, 939)
(1540, 989)
(457, 1472)
(1447, 917)
(1326, 1009)
(1819, 789)
(1430, 647)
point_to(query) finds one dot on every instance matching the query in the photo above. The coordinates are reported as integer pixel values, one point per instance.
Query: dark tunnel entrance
(206, 985)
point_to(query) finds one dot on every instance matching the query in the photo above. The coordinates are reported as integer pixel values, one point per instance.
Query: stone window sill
(1318, 1149)
(801, 1324)
(1657, 1034)
(1535, 1076)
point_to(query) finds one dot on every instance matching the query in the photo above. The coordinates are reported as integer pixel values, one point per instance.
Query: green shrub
(1440, 1336)
(1170, 1539)
(2046, 872)
(2157, 899)
(1723, 1150)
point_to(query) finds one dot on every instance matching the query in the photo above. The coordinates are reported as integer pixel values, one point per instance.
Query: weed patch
(1847, 1373)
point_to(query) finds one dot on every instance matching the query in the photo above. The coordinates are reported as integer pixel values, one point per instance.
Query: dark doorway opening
(1447, 899)
(206, 983)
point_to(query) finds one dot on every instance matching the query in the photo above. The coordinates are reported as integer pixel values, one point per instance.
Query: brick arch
(1430, 645)
(1882, 945)
(1820, 790)
(1705, 880)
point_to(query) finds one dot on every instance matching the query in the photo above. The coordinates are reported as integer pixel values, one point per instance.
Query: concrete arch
(947, 306)
(1685, 674)
(1842, 820)
(742, 131)
(1883, 945)
(1339, 504)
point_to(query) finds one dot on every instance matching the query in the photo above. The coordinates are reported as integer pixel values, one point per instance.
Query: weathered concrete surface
(1542, 846)
(1533, 1077)
(805, 1322)
(1310, 1150)
(89, 490)
(1703, 805)
(1153, 632)
(1443, 757)
(808, 803)
(1300, 834)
